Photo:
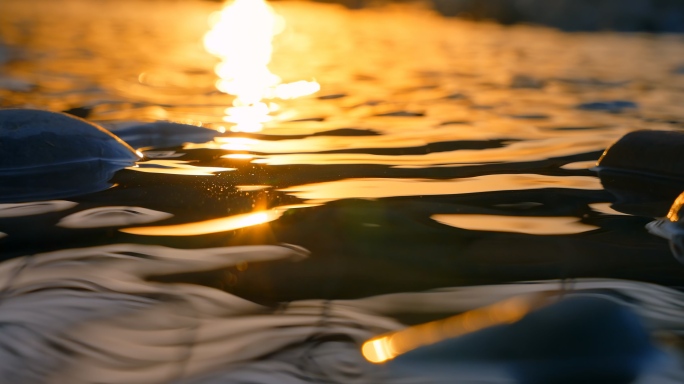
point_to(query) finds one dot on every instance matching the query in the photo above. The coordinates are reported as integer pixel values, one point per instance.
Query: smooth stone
(644, 170)
(656, 153)
(646, 151)
(48, 155)
(33, 139)
(163, 134)
(575, 340)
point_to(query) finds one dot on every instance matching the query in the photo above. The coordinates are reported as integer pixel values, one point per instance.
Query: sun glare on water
(242, 37)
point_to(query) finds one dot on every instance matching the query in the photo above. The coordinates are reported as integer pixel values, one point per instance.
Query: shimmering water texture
(420, 168)
(92, 314)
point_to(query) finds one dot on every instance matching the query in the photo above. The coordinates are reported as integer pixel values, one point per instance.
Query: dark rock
(81, 112)
(32, 139)
(658, 153)
(47, 154)
(644, 167)
(576, 340)
(163, 134)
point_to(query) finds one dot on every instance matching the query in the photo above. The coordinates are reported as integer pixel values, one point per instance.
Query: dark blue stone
(576, 340)
(48, 155)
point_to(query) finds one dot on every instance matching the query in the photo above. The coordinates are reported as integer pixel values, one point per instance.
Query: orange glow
(606, 209)
(673, 214)
(222, 224)
(236, 143)
(388, 346)
(176, 167)
(531, 225)
(242, 37)
(239, 156)
(374, 188)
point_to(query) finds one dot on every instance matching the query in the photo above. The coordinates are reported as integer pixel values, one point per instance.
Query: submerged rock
(47, 155)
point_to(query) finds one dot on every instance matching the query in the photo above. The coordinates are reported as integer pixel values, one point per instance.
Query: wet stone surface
(34, 139)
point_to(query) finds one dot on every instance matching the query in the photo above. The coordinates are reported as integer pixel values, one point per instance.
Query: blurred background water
(405, 150)
(629, 15)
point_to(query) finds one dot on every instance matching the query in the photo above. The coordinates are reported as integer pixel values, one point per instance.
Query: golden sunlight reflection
(377, 188)
(606, 209)
(251, 188)
(242, 37)
(222, 224)
(673, 214)
(236, 144)
(388, 346)
(580, 165)
(239, 156)
(176, 167)
(531, 225)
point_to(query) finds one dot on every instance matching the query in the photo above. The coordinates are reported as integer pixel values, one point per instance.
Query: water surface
(437, 153)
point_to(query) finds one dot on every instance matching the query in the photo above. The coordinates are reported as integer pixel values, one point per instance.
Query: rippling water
(437, 153)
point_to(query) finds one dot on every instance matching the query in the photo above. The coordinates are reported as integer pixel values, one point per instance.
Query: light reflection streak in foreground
(386, 347)
(222, 224)
(241, 36)
(176, 167)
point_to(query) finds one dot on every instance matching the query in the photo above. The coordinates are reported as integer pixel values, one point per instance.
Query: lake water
(437, 154)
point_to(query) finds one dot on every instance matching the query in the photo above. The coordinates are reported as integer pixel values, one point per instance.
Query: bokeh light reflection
(388, 346)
